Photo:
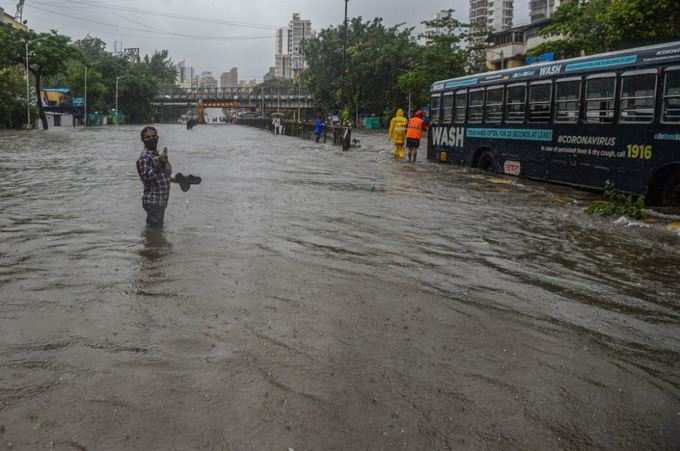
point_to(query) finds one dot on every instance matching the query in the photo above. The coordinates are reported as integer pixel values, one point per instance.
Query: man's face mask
(151, 141)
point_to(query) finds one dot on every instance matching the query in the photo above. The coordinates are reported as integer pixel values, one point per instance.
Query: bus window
(516, 105)
(671, 98)
(476, 108)
(638, 97)
(434, 108)
(447, 109)
(540, 102)
(567, 100)
(493, 113)
(461, 107)
(600, 99)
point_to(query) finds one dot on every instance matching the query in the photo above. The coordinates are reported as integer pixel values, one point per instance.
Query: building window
(434, 108)
(493, 112)
(671, 98)
(461, 107)
(515, 109)
(540, 102)
(448, 108)
(600, 99)
(476, 108)
(567, 101)
(638, 95)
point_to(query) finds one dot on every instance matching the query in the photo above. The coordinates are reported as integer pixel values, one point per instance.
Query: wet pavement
(304, 298)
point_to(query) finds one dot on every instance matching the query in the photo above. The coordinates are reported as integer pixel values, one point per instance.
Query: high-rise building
(486, 17)
(185, 75)
(289, 42)
(544, 9)
(207, 81)
(299, 31)
(229, 79)
(281, 57)
(491, 15)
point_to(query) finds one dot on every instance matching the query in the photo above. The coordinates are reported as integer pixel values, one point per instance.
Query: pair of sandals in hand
(185, 181)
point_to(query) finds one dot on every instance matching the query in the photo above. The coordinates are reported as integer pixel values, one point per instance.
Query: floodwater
(309, 299)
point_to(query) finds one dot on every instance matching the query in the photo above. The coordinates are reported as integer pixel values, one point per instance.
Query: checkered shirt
(156, 181)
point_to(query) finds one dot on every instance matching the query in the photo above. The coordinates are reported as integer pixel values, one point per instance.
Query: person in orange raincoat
(414, 133)
(397, 134)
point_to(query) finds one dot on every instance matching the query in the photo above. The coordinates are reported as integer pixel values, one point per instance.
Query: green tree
(12, 98)
(376, 56)
(137, 91)
(162, 67)
(443, 56)
(48, 54)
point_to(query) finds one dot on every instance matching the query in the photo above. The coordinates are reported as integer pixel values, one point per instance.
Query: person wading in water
(155, 171)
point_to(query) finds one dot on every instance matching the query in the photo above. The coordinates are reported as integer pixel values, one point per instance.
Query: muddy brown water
(304, 298)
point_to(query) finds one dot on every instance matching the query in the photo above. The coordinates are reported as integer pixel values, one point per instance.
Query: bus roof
(653, 54)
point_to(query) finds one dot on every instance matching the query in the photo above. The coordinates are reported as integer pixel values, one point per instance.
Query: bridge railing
(240, 93)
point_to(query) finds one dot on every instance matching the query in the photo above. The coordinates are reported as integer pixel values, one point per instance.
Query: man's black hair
(145, 129)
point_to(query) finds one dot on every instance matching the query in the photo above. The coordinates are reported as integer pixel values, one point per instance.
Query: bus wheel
(670, 194)
(487, 162)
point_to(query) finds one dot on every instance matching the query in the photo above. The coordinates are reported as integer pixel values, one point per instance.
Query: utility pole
(28, 92)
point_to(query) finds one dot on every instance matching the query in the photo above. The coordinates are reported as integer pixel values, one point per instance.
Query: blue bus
(607, 120)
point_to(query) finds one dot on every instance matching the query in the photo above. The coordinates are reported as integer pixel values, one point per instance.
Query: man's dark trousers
(154, 216)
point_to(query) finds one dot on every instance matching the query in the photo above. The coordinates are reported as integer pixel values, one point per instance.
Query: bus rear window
(567, 101)
(493, 113)
(461, 107)
(447, 108)
(600, 103)
(638, 98)
(476, 108)
(434, 108)
(540, 98)
(671, 100)
(516, 104)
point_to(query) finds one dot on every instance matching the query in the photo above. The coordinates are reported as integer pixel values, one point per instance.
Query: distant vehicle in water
(607, 120)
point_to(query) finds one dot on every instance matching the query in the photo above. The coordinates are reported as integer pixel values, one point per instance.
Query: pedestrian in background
(319, 127)
(397, 134)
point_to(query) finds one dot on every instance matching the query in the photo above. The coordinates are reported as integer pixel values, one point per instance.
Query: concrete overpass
(254, 99)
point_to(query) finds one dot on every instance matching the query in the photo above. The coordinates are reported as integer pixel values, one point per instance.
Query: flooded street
(309, 299)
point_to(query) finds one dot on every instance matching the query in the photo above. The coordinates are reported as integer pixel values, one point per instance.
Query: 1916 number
(640, 152)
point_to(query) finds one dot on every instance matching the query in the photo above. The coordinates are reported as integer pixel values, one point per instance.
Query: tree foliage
(596, 26)
(48, 55)
(12, 98)
(384, 64)
(55, 61)
(443, 56)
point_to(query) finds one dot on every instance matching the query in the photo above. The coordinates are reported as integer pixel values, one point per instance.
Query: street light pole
(28, 92)
(85, 100)
(344, 47)
(117, 111)
(344, 51)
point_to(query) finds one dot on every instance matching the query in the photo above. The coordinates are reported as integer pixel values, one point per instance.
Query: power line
(157, 33)
(86, 3)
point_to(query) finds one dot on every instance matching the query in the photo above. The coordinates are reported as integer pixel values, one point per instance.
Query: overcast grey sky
(124, 20)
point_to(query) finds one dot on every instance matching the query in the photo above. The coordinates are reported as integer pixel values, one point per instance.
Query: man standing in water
(155, 171)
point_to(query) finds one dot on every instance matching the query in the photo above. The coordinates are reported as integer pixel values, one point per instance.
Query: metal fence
(339, 136)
